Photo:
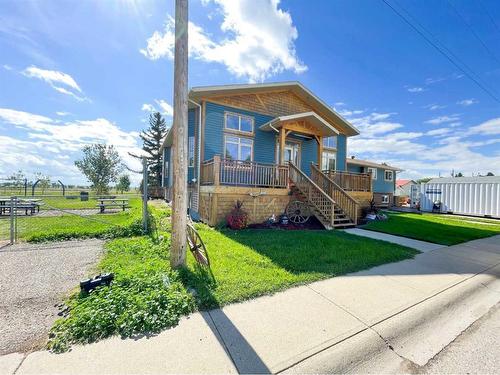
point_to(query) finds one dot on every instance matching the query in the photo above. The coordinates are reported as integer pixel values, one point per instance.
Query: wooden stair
(326, 210)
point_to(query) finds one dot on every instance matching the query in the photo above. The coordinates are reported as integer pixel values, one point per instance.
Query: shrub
(237, 218)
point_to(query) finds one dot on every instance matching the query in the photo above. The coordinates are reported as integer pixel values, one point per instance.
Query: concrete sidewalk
(422, 246)
(390, 318)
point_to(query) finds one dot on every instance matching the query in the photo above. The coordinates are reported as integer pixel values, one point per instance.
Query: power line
(492, 19)
(473, 31)
(469, 75)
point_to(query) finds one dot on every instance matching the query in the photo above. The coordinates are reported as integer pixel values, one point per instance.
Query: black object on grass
(99, 280)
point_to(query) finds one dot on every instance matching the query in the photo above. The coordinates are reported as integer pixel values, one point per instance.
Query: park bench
(29, 206)
(112, 203)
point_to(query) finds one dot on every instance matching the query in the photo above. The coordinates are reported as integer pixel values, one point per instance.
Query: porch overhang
(308, 123)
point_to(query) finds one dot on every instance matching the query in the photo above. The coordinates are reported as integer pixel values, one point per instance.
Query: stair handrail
(318, 189)
(353, 215)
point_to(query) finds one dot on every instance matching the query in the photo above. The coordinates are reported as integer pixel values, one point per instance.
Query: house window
(373, 172)
(239, 123)
(385, 199)
(165, 173)
(191, 152)
(388, 175)
(329, 160)
(330, 142)
(238, 148)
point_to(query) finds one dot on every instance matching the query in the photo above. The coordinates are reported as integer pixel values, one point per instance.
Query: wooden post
(180, 142)
(282, 145)
(319, 139)
(217, 170)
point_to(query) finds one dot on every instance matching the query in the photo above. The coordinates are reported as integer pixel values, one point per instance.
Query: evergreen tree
(152, 139)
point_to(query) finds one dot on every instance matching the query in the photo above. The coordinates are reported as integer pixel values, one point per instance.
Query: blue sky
(77, 72)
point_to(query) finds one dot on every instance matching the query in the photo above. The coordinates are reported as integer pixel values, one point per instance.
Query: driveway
(34, 279)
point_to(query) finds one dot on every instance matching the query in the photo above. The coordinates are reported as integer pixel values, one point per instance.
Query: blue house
(268, 145)
(383, 179)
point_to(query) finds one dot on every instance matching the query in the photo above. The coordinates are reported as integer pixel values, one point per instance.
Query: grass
(251, 263)
(440, 229)
(147, 296)
(121, 224)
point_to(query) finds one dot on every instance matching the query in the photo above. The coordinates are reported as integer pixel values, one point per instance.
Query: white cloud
(490, 127)
(148, 108)
(49, 143)
(438, 132)
(167, 109)
(415, 89)
(434, 107)
(467, 102)
(442, 119)
(258, 40)
(55, 79)
(386, 141)
(62, 113)
(162, 106)
(7, 67)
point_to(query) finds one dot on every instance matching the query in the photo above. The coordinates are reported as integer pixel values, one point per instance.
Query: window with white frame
(385, 199)
(373, 171)
(191, 151)
(388, 175)
(239, 123)
(238, 148)
(329, 160)
(330, 142)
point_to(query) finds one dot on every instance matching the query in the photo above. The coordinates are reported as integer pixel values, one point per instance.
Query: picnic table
(112, 202)
(29, 205)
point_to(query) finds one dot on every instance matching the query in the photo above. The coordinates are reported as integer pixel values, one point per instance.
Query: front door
(292, 153)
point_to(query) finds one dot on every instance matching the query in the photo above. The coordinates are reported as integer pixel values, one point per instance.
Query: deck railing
(350, 181)
(343, 200)
(314, 194)
(219, 171)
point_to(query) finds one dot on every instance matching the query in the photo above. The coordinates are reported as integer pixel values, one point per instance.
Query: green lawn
(441, 229)
(250, 263)
(245, 264)
(39, 228)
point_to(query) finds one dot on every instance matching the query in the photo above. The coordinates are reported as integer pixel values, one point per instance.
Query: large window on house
(238, 148)
(238, 123)
(330, 142)
(388, 175)
(329, 160)
(166, 175)
(373, 172)
(385, 199)
(191, 151)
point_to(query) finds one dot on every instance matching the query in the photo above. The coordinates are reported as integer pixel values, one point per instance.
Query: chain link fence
(80, 214)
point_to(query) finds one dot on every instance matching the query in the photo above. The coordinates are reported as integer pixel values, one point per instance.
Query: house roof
(367, 163)
(403, 182)
(462, 180)
(197, 93)
(312, 118)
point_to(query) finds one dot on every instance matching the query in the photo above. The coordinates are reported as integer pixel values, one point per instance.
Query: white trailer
(477, 196)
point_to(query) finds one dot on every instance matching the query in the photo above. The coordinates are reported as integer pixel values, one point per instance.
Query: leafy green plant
(145, 296)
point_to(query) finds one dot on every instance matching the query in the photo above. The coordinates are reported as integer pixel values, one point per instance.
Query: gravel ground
(34, 279)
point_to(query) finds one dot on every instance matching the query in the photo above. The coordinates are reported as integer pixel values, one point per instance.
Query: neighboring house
(403, 187)
(407, 192)
(261, 144)
(383, 179)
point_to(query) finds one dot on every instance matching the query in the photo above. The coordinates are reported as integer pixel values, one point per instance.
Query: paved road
(475, 351)
(34, 278)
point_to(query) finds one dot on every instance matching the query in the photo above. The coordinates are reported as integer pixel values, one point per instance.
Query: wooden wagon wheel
(197, 246)
(297, 212)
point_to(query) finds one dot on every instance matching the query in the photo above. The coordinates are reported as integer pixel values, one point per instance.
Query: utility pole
(180, 129)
